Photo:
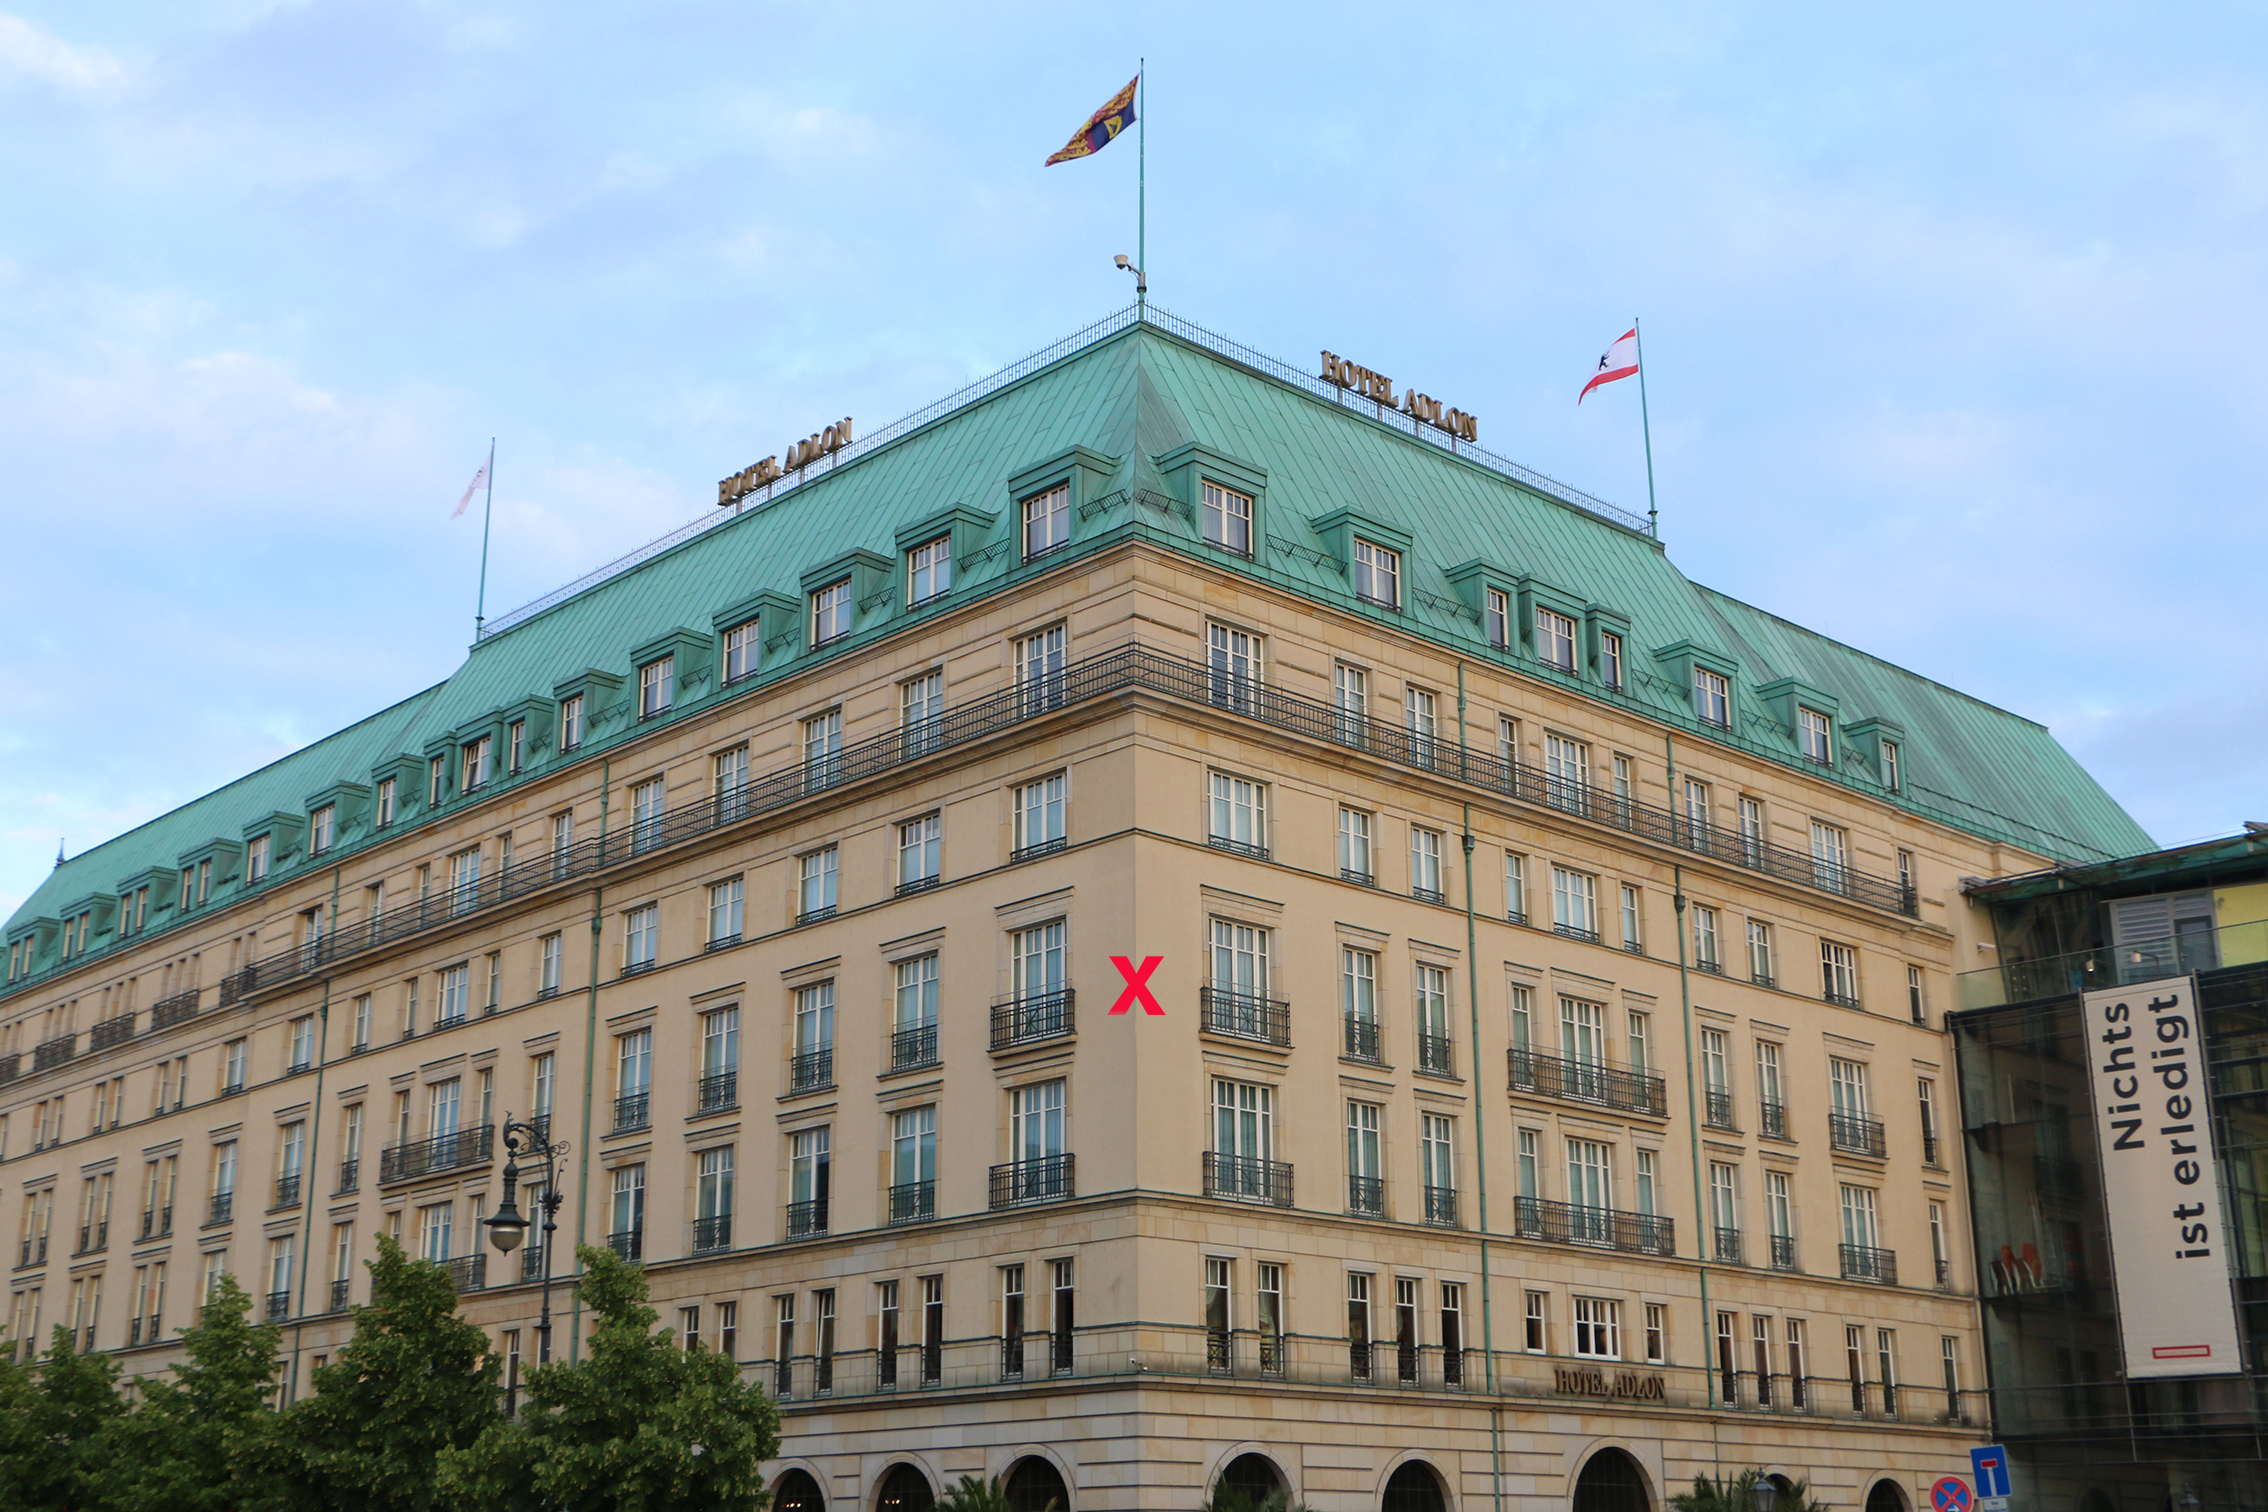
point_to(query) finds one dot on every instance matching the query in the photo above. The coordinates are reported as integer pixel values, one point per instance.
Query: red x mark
(1137, 988)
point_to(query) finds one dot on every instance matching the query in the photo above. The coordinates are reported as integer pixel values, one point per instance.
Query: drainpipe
(1480, 1143)
(306, 1170)
(1693, 1132)
(590, 1062)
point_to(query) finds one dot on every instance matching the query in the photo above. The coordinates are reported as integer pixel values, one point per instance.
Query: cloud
(31, 51)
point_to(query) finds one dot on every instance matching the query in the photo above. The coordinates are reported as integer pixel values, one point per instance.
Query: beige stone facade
(1209, 1233)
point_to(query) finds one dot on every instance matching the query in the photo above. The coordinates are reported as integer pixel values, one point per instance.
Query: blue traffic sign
(1951, 1494)
(1991, 1463)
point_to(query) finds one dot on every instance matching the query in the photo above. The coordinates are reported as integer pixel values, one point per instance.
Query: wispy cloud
(30, 51)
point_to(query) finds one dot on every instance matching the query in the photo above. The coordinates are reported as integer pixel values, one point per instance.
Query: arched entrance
(1253, 1477)
(904, 1489)
(1612, 1482)
(796, 1491)
(1034, 1485)
(1413, 1488)
(1886, 1497)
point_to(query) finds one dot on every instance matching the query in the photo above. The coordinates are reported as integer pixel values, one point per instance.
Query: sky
(1953, 317)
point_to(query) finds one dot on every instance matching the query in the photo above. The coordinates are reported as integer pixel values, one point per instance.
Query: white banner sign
(2161, 1185)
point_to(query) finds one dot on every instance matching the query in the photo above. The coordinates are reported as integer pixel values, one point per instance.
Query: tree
(1739, 1495)
(415, 1381)
(974, 1494)
(198, 1442)
(59, 1417)
(640, 1425)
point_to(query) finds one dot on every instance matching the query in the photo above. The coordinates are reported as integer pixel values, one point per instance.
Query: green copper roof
(1136, 398)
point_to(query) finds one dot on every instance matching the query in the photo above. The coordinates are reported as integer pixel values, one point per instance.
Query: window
(1354, 846)
(1779, 1217)
(823, 749)
(1574, 904)
(1939, 1256)
(929, 570)
(1267, 1319)
(1641, 1057)
(809, 1180)
(1890, 776)
(1366, 1172)
(647, 801)
(550, 952)
(1437, 1160)
(1632, 940)
(1377, 574)
(1598, 1328)
(1047, 521)
(712, 1200)
(1040, 663)
(302, 1052)
(1812, 741)
(385, 817)
(435, 1231)
(641, 933)
(657, 687)
(1657, 1333)
(831, 612)
(322, 833)
(1906, 873)
(1567, 773)
(516, 745)
(562, 836)
(725, 910)
(1647, 1179)
(1830, 856)
(1039, 816)
(1751, 831)
(1886, 1358)
(914, 1018)
(1358, 1001)
(1244, 1142)
(1724, 1211)
(1350, 698)
(1610, 659)
(232, 1070)
(1516, 887)
(743, 650)
(477, 766)
(1497, 619)
(1239, 980)
(1716, 1078)
(1430, 1002)
(1838, 973)
(255, 869)
(921, 710)
(1239, 815)
(815, 886)
(1538, 1308)
(1035, 958)
(1760, 952)
(1233, 661)
(1590, 1191)
(1712, 698)
(814, 1064)
(720, 1059)
(628, 1216)
(1858, 1217)
(913, 1164)
(1916, 1003)
(1926, 1091)
(1035, 1140)
(1228, 518)
(921, 845)
(464, 881)
(1217, 1289)
(1425, 864)
(1420, 714)
(360, 1033)
(571, 722)
(1768, 1091)
(456, 989)
(436, 782)
(1555, 639)
(1705, 939)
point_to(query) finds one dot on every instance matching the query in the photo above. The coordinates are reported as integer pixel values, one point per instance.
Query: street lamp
(1764, 1491)
(507, 1230)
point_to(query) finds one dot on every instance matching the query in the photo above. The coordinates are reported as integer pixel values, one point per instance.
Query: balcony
(1589, 1082)
(224, 1203)
(629, 1244)
(913, 1202)
(339, 1290)
(1855, 1135)
(1361, 1038)
(54, 1052)
(1717, 1110)
(719, 1091)
(1929, 1149)
(1238, 848)
(1576, 932)
(811, 1070)
(1602, 1228)
(94, 1237)
(111, 1031)
(287, 1192)
(1772, 1118)
(1726, 1250)
(350, 1178)
(1864, 1263)
(1441, 1206)
(1028, 1020)
(1429, 895)
(531, 1262)
(177, 1009)
(467, 1273)
(913, 1047)
(1242, 1017)
(632, 1110)
(1783, 1252)
(1710, 964)
(1020, 1183)
(807, 1219)
(1437, 1053)
(917, 885)
(1762, 979)
(34, 1252)
(1358, 878)
(443, 1152)
(278, 1307)
(1366, 1196)
(713, 1234)
(1839, 999)
(1035, 851)
(157, 1222)
(817, 915)
(1240, 1178)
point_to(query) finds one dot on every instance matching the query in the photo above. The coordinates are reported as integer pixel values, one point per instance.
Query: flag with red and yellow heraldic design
(1104, 125)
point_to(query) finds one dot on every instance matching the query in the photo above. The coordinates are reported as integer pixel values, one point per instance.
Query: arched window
(1034, 1485)
(905, 1489)
(1253, 1477)
(1886, 1497)
(796, 1491)
(1414, 1488)
(1612, 1482)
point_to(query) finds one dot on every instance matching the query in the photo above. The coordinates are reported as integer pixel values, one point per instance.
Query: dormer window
(1377, 574)
(1891, 777)
(187, 895)
(831, 612)
(322, 829)
(657, 686)
(571, 723)
(1498, 619)
(436, 782)
(256, 856)
(1228, 518)
(1555, 639)
(929, 570)
(1047, 522)
(743, 651)
(1813, 740)
(385, 817)
(1712, 698)
(1610, 659)
(476, 765)
(516, 746)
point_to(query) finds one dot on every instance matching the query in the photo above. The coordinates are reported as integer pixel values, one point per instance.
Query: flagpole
(1646, 422)
(480, 605)
(1142, 181)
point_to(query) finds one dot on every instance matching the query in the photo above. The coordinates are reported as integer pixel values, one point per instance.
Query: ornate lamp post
(508, 1229)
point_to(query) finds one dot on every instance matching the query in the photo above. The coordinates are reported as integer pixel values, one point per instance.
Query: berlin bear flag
(1620, 361)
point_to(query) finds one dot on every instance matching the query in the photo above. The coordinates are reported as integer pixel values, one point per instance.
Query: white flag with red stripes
(1620, 361)
(480, 478)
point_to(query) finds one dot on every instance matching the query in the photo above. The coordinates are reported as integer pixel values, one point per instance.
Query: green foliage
(52, 1449)
(974, 1494)
(1739, 1495)
(198, 1442)
(1228, 1498)
(415, 1382)
(638, 1426)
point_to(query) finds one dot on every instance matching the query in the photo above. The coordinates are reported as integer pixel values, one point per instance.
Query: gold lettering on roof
(800, 454)
(1379, 389)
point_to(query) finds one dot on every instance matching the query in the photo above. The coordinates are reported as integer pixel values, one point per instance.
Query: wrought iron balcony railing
(712, 1234)
(630, 1244)
(468, 1273)
(224, 1203)
(1441, 1206)
(1026, 1020)
(913, 1047)
(278, 1307)
(1588, 1081)
(1252, 1018)
(719, 1090)
(1238, 847)
(1361, 1037)
(33, 1251)
(1245, 1179)
(1772, 1118)
(1437, 1053)
(1859, 1136)
(633, 1110)
(811, 1070)
(339, 1290)
(1783, 1252)
(1050, 1178)
(531, 1262)
(54, 1052)
(1865, 1263)
(1727, 1249)
(1606, 1228)
(807, 1218)
(913, 1202)
(177, 1009)
(94, 1236)
(350, 1177)
(443, 1152)
(157, 1222)
(111, 1031)
(1366, 1196)
(1717, 1109)
(287, 1192)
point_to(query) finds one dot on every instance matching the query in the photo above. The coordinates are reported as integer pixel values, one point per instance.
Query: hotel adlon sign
(2161, 1182)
